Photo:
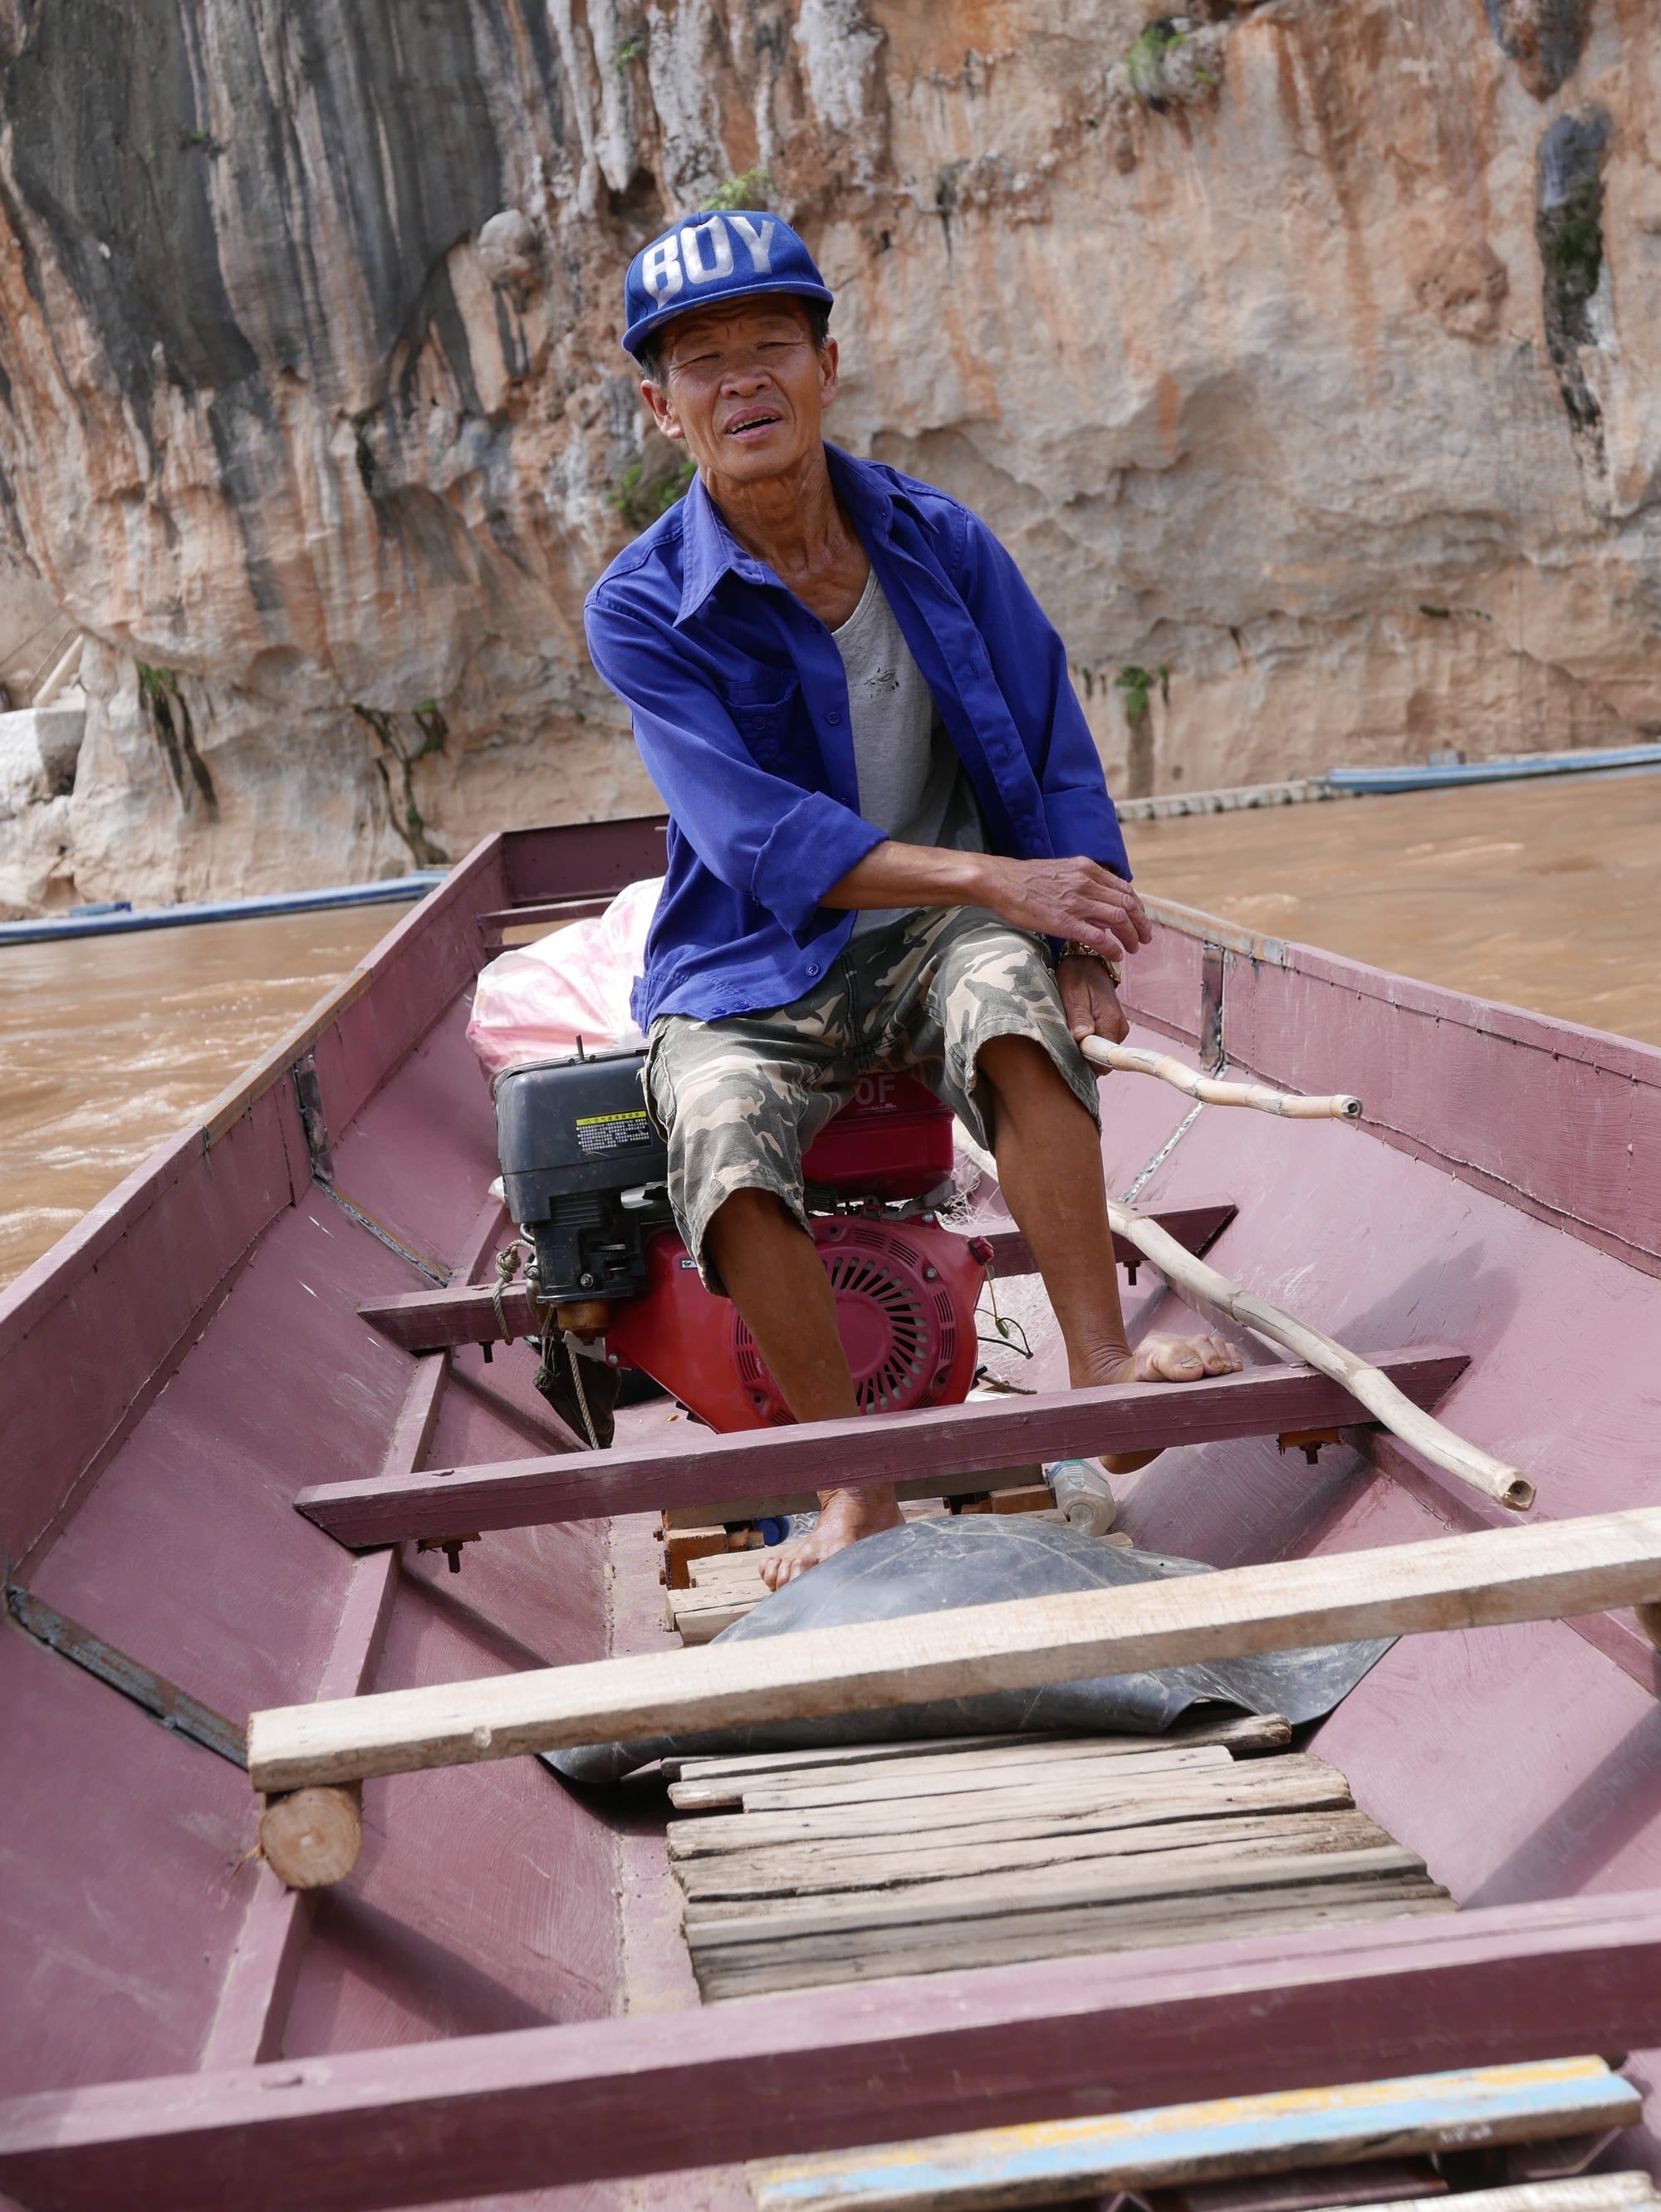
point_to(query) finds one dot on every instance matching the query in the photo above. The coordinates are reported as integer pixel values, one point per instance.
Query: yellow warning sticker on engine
(613, 1133)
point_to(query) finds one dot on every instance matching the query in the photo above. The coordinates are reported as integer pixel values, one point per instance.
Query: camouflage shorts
(741, 1099)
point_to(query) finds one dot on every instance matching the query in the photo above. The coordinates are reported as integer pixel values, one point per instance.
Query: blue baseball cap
(731, 255)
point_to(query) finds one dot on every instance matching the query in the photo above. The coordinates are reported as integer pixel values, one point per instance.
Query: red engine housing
(906, 1295)
(893, 1139)
(905, 1290)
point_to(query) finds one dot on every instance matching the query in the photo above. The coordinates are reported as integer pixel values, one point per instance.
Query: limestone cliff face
(1304, 353)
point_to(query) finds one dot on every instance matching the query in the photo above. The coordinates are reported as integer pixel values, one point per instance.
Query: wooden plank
(1057, 1936)
(1140, 1800)
(542, 914)
(1495, 1576)
(871, 1863)
(1580, 2192)
(432, 1320)
(916, 1775)
(951, 1777)
(712, 1766)
(700, 1625)
(860, 1453)
(701, 1597)
(483, 2115)
(1190, 2144)
(1253, 1732)
(719, 1570)
(1194, 1875)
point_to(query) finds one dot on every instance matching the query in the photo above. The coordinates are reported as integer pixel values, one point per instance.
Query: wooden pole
(1130, 1060)
(1551, 1571)
(312, 1837)
(1509, 1486)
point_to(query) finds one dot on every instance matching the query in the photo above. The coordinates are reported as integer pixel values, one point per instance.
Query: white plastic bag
(534, 1001)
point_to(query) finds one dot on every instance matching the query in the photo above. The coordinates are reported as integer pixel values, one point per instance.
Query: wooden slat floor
(804, 1868)
(725, 1586)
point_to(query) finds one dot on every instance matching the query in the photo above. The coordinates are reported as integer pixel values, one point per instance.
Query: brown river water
(1547, 895)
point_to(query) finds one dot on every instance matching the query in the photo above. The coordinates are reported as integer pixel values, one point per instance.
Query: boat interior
(203, 1347)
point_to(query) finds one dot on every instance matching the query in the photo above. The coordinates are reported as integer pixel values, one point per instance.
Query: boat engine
(585, 1170)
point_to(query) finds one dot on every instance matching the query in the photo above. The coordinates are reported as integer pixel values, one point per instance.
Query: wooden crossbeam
(548, 914)
(432, 1320)
(950, 1440)
(1496, 1575)
(484, 2115)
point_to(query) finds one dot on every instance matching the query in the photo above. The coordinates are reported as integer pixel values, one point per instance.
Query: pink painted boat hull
(192, 1356)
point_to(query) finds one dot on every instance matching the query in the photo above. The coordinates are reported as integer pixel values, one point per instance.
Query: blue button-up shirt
(740, 704)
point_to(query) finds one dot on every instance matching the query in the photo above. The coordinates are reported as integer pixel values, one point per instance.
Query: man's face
(744, 387)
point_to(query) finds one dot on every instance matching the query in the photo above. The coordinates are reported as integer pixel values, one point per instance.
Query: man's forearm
(1069, 897)
(912, 875)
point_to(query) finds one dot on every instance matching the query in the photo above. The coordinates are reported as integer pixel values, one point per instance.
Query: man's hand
(1075, 898)
(1089, 1001)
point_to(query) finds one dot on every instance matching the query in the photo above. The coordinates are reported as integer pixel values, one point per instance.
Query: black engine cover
(573, 1136)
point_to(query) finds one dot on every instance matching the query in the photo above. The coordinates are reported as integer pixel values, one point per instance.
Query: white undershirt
(911, 783)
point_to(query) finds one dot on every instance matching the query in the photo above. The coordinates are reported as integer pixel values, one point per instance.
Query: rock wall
(1304, 353)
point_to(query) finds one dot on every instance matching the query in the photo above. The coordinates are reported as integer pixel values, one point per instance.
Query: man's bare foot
(1178, 1359)
(1163, 1359)
(845, 1517)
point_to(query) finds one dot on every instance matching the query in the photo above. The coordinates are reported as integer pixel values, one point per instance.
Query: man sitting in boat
(890, 842)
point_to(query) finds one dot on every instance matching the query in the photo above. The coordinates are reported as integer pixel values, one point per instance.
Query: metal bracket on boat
(1308, 1442)
(450, 1546)
(308, 1094)
(1212, 1056)
(165, 1701)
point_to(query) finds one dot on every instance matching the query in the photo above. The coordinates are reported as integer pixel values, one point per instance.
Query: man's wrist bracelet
(1072, 950)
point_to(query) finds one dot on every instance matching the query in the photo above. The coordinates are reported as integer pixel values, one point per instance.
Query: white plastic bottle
(1084, 1495)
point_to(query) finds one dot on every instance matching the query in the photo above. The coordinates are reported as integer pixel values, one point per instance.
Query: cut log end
(1519, 1493)
(312, 1837)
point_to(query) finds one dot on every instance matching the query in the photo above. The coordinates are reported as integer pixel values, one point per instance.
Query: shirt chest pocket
(767, 716)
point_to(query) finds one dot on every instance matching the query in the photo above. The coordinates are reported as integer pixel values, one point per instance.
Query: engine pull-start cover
(906, 1297)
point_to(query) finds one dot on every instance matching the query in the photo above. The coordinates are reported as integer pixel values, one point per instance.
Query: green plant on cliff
(430, 721)
(393, 760)
(1144, 65)
(361, 422)
(750, 188)
(169, 717)
(630, 51)
(1571, 237)
(641, 496)
(1137, 684)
